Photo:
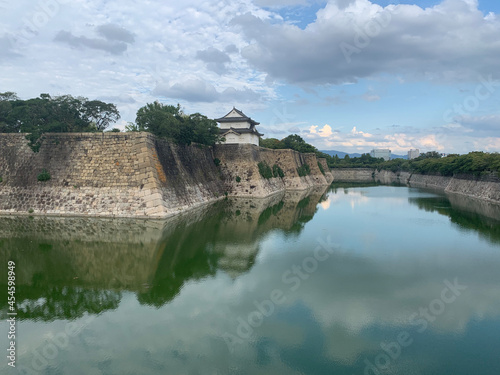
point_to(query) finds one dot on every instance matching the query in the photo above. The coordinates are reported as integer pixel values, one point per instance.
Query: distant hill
(341, 154)
(394, 156)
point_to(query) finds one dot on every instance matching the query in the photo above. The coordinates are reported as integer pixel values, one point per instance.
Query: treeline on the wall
(476, 163)
(170, 122)
(58, 114)
(293, 142)
(68, 114)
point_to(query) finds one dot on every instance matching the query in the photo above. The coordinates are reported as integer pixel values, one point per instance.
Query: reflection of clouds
(354, 197)
(339, 305)
(345, 297)
(325, 205)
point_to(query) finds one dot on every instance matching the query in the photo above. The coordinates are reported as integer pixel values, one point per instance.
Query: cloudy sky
(348, 75)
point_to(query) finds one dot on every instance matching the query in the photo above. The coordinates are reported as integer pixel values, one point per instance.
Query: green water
(354, 280)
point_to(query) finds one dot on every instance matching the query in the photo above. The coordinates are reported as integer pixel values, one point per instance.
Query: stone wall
(136, 174)
(486, 187)
(352, 174)
(326, 169)
(105, 174)
(242, 161)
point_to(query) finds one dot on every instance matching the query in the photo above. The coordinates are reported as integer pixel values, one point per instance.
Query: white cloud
(324, 132)
(110, 48)
(356, 132)
(370, 96)
(451, 41)
(197, 90)
(210, 56)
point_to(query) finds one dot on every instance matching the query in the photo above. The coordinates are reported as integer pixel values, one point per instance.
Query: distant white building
(413, 153)
(236, 127)
(384, 153)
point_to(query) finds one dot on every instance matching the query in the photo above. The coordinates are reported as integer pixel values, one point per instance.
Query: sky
(348, 75)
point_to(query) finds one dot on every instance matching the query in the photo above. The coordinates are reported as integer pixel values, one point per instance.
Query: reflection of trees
(270, 211)
(186, 254)
(66, 267)
(304, 215)
(487, 227)
(65, 302)
(227, 238)
(42, 301)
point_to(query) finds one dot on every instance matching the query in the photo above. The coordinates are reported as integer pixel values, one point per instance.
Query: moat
(351, 280)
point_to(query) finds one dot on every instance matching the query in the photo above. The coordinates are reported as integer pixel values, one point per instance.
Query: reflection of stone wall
(103, 253)
(486, 188)
(82, 229)
(249, 219)
(151, 257)
(241, 161)
(480, 207)
(126, 253)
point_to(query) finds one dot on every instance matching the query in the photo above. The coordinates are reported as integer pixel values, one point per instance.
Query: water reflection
(69, 266)
(467, 213)
(171, 293)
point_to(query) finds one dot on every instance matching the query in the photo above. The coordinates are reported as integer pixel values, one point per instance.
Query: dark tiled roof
(241, 131)
(243, 118)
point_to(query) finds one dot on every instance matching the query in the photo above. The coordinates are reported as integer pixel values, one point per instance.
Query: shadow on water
(66, 267)
(226, 239)
(467, 213)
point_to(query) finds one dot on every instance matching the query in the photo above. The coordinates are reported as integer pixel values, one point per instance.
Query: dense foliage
(277, 171)
(60, 114)
(170, 122)
(294, 142)
(265, 170)
(44, 175)
(321, 169)
(304, 170)
(475, 163)
(297, 143)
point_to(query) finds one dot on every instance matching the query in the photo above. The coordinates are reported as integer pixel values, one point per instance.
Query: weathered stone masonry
(105, 174)
(241, 160)
(486, 188)
(133, 175)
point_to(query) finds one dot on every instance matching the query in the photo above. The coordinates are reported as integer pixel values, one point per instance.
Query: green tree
(131, 127)
(429, 155)
(204, 130)
(295, 142)
(47, 114)
(272, 143)
(100, 113)
(6, 99)
(168, 121)
(159, 119)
